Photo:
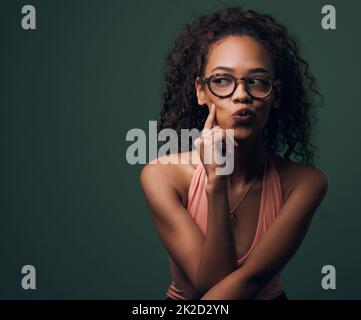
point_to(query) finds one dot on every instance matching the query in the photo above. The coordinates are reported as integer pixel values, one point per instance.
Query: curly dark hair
(288, 129)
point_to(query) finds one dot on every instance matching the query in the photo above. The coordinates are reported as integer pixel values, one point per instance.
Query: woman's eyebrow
(252, 70)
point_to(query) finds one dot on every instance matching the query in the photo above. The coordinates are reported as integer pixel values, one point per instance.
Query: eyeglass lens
(223, 85)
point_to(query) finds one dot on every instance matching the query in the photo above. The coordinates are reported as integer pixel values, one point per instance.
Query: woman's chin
(243, 133)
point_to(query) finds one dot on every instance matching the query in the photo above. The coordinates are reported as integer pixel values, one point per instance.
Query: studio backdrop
(82, 74)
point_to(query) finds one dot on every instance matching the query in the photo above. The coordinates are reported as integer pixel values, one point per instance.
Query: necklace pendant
(233, 218)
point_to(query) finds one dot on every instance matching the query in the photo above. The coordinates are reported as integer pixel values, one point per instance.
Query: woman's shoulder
(175, 170)
(292, 173)
(175, 163)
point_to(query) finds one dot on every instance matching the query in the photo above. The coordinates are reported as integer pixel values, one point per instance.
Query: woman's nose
(241, 94)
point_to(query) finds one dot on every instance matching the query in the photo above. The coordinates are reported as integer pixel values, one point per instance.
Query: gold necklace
(232, 214)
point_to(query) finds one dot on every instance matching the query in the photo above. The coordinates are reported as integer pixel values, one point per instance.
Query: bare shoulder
(174, 170)
(293, 174)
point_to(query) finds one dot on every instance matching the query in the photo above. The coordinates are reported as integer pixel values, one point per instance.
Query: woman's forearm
(219, 253)
(236, 286)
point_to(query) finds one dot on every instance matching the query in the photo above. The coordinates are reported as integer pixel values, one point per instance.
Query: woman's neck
(249, 157)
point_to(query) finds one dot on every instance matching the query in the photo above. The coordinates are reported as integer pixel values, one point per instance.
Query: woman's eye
(257, 81)
(221, 81)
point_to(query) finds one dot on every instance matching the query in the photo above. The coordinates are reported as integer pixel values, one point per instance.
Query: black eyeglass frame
(236, 81)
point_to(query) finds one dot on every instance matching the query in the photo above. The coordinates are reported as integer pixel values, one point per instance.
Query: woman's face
(239, 54)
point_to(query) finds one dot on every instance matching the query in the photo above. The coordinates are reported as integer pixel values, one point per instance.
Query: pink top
(271, 203)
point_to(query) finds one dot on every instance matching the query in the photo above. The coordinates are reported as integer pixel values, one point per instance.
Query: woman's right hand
(211, 144)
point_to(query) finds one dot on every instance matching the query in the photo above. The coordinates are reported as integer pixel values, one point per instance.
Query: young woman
(229, 236)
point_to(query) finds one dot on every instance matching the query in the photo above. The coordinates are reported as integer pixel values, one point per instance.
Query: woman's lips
(243, 119)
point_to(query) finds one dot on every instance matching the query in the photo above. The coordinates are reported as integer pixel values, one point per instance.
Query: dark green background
(70, 203)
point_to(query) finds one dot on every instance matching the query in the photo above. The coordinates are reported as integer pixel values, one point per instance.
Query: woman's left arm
(278, 244)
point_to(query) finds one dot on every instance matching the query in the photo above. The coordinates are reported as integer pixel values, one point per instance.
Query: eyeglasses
(223, 85)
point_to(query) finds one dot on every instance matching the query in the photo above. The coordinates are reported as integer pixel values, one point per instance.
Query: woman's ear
(201, 92)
